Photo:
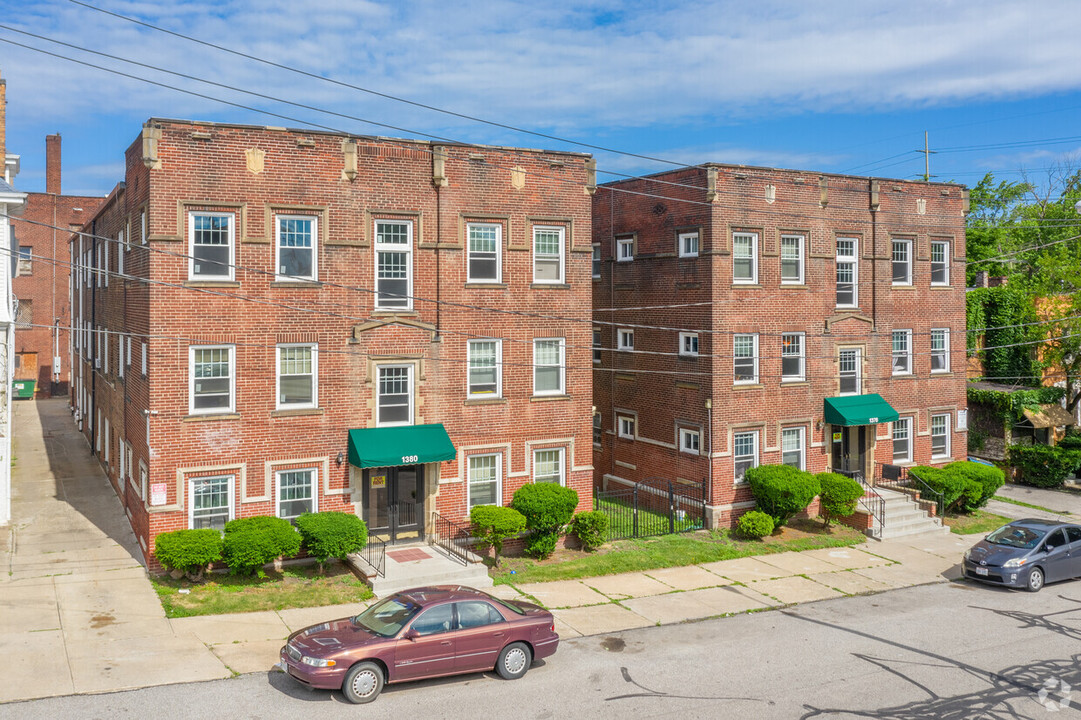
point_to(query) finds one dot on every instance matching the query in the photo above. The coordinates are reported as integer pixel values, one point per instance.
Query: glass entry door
(849, 449)
(393, 502)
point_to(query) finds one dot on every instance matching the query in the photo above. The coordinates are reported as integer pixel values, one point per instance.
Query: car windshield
(387, 617)
(1016, 536)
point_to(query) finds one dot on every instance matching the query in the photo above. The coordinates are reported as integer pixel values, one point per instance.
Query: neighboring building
(270, 321)
(41, 282)
(11, 203)
(748, 316)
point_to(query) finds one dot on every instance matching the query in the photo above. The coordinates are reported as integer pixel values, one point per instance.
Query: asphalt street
(954, 650)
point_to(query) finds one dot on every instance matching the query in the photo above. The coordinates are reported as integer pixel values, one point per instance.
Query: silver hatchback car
(1026, 554)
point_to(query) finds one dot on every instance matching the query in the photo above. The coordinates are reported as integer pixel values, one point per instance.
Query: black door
(849, 446)
(393, 502)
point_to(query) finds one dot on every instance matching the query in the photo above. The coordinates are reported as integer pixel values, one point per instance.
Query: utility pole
(927, 153)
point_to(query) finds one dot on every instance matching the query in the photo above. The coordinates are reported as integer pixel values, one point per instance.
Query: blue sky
(830, 85)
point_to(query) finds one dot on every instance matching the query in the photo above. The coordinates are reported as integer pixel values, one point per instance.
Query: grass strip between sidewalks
(1011, 501)
(980, 521)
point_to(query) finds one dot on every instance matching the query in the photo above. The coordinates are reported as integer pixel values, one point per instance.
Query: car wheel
(514, 661)
(363, 683)
(1035, 580)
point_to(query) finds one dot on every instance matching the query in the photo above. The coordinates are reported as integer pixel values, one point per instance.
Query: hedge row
(546, 511)
(965, 486)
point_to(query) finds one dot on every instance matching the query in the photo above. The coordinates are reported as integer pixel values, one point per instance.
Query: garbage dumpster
(23, 389)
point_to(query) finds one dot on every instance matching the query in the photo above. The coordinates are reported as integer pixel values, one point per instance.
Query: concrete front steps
(418, 565)
(904, 517)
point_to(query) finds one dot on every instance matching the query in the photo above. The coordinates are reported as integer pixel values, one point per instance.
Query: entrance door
(849, 450)
(393, 500)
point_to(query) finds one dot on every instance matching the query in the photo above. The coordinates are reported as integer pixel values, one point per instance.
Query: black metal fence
(375, 554)
(455, 539)
(652, 507)
(896, 477)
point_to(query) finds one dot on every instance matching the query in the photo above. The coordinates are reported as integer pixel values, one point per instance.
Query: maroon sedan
(420, 633)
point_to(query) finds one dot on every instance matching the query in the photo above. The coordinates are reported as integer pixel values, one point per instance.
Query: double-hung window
(792, 259)
(484, 369)
(902, 352)
(212, 378)
(902, 440)
(548, 466)
(484, 477)
(847, 272)
(744, 453)
(298, 376)
(850, 371)
(940, 436)
(690, 441)
(792, 357)
(902, 262)
(548, 354)
(485, 241)
(625, 339)
(940, 262)
(211, 241)
(688, 244)
(596, 261)
(745, 258)
(394, 403)
(296, 247)
(296, 492)
(548, 244)
(596, 345)
(120, 248)
(211, 503)
(624, 249)
(745, 358)
(688, 344)
(792, 447)
(598, 430)
(940, 350)
(393, 264)
(625, 426)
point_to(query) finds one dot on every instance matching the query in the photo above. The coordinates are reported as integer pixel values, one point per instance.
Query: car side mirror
(411, 634)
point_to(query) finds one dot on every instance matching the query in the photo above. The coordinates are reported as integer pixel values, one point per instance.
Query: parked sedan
(1026, 554)
(420, 633)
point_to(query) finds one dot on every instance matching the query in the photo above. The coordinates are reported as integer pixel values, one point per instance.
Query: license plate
(981, 571)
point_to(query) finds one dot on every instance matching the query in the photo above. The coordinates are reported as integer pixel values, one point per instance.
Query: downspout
(90, 424)
(611, 332)
(874, 255)
(709, 451)
(56, 320)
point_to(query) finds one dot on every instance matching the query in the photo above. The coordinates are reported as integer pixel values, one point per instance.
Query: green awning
(859, 410)
(402, 445)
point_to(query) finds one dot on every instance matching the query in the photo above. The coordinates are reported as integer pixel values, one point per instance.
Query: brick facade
(255, 180)
(735, 297)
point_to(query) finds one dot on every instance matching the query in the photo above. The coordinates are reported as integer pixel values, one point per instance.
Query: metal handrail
(908, 481)
(455, 539)
(375, 554)
(871, 501)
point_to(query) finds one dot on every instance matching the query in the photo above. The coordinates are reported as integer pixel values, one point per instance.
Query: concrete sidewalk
(1064, 505)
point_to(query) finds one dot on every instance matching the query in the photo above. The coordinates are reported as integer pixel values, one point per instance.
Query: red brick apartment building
(42, 277)
(747, 316)
(271, 321)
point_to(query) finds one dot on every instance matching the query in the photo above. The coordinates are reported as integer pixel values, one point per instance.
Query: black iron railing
(375, 554)
(652, 507)
(455, 539)
(872, 502)
(895, 477)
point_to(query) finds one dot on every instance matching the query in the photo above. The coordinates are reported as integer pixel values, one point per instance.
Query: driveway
(77, 612)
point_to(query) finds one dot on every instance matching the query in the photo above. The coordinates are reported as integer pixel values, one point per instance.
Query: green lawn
(980, 521)
(668, 551)
(1029, 505)
(297, 587)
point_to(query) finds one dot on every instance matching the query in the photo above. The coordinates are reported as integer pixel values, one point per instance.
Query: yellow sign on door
(379, 481)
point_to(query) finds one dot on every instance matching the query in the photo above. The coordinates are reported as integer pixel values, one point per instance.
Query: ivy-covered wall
(996, 314)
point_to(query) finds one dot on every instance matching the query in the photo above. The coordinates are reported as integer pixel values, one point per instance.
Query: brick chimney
(52, 164)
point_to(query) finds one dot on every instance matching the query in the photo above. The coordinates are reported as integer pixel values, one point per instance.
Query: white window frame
(144, 358)
(410, 390)
(313, 483)
(192, 410)
(105, 351)
(736, 459)
(852, 259)
(562, 389)
(562, 463)
(801, 356)
(800, 432)
(625, 339)
(945, 262)
(229, 273)
(105, 264)
(128, 350)
(905, 422)
(598, 339)
(314, 403)
(858, 370)
(498, 227)
(142, 228)
(562, 232)
(108, 433)
(903, 355)
(598, 430)
(626, 427)
(498, 359)
(278, 275)
(120, 247)
(801, 244)
(945, 417)
(690, 441)
(625, 249)
(191, 493)
(944, 351)
(753, 238)
(688, 344)
(596, 261)
(895, 243)
(688, 243)
(753, 380)
(396, 303)
(498, 478)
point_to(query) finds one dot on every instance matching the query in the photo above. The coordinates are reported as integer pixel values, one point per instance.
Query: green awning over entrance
(859, 410)
(402, 445)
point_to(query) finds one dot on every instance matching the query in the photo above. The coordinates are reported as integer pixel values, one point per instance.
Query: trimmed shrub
(1042, 465)
(1070, 442)
(188, 551)
(781, 491)
(494, 524)
(547, 508)
(754, 524)
(252, 542)
(956, 489)
(989, 479)
(591, 528)
(838, 496)
(332, 534)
